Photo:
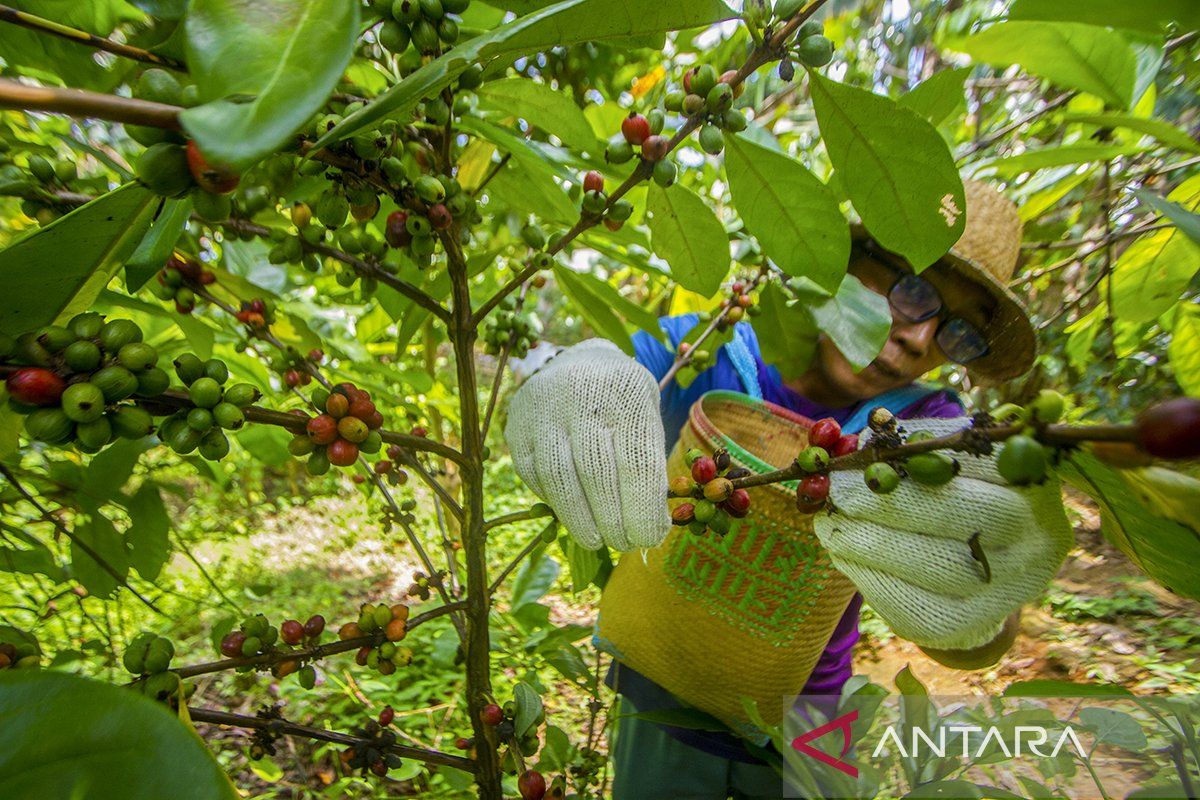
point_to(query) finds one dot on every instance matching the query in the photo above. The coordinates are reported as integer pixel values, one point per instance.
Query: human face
(911, 349)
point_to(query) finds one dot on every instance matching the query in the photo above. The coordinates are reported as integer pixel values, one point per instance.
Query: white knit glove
(586, 436)
(908, 552)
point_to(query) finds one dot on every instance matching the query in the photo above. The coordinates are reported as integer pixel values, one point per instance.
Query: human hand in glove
(586, 436)
(945, 565)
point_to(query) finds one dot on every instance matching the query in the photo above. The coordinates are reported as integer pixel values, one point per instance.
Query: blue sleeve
(657, 357)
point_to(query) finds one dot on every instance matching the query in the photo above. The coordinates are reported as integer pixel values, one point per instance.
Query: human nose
(915, 338)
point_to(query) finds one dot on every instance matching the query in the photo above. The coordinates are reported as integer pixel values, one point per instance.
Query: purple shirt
(834, 666)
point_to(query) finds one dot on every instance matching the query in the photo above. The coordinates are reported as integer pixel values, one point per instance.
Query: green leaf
(1113, 727)
(527, 184)
(1162, 548)
(32, 560)
(1154, 271)
(786, 333)
(1164, 132)
(543, 107)
(163, 9)
(1173, 495)
(568, 661)
(686, 234)
(263, 68)
(938, 96)
(99, 534)
(793, 215)
(158, 243)
(896, 169)
(266, 443)
(584, 565)
(1185, 220)
(857, 320)
(62, 267)
(148, 532)
(113, 732)
(1070, 54)
(1045, 157)
(1148, 16)
(565, 23)
(109, 470)
(534, 578)
(602, 319)
(1184, 349)
(529, 705)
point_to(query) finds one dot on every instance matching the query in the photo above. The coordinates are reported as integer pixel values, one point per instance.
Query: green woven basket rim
(709, 432)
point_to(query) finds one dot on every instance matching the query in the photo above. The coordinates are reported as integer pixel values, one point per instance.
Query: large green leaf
(1070, 54)
(1148, 16)
(686, 234)
(1134, 520)
(527, 185)
(35, 558)
(631, 313)
(63, 267)
(543, 107)
(102, 537)
(786, 333)
(1151, 275)
(118, 744)
(598, 315)
(1165, 132)
(896, 170)
(565, 23)
(264, 67)
(158, 243)
(1184, 350)
(857, 320)
(793, 215)
(59, 59)
(1188, 222)
(149, 530)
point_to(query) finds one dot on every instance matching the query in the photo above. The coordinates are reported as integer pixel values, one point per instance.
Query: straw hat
(986, 255)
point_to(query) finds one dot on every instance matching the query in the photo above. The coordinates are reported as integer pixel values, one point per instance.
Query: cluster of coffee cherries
(595, 201)
(21, 654)
(216, 408)
(425, 24)
(77, 378)
(256, 636)
(825, 441)
(295, 369)
(809, 46)
(443, 200)
(708, 97)
(49, 174)
(503, 719)
(1022, 459)
(391, 621)
(715, 501)
(372, 752)
(419, 588)
(349, 425)
(508, 325)
(149, 657)
(178, 282)
(389, 468)
(737, 306)
(644, 132)
(256, 314)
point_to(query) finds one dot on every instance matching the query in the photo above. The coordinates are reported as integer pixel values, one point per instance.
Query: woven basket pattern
(714, 619)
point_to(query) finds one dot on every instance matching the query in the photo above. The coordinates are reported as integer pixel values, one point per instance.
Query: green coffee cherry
(712, 141)
(881, 478)
(83, 402)
(94, 434)
(242, 395)
(215, 445)
(1048, 406)
(931, 469)
(41, 169)
(429, 189)
(200, 419)
(815, 51)
(212, 207)
(118, 333)
(152, 382)
(665, 172)
(50, 425)
(1022, 461)
(164, 170)
(158, 86)
(131, 422)
(82, 356)
(394, 36)
(205, 392)
(86, 325)
(137, 356)
(618, 152)
(813, 459)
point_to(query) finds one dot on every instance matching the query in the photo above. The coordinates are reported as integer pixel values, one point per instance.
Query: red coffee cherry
(291, 631)
(635, 128)
(704, 469)
(683, 513)
(212, 178)
(322, 429)
(361, 407)
(844, 446)
(593, 181)
(824, 433)
(292, 378)
(738, 503)
(315, 626)
(231, 645)
(655, 148)
(492, 714)
(531, 785)
(337, 406)
(395, 231)
(1171, 429)
(342, 453)
(316, 355)
(35, 386)
(386, 716)
(440, 217)
(813, 489)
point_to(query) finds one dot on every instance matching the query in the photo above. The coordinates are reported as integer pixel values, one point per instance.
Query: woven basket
(712, 619)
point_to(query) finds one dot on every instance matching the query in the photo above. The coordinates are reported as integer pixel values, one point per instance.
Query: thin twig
(525, 551)
(80, 103)
(536, 512)
(495, 170)
(215, 717)
(995, 136)
(35, 23)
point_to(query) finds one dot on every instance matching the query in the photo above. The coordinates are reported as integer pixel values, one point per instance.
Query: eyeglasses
(916, 299)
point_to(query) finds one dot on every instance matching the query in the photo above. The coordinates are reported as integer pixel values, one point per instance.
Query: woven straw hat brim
(1012, 341)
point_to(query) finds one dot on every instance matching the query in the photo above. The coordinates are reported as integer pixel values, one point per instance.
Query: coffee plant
(293, 237)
